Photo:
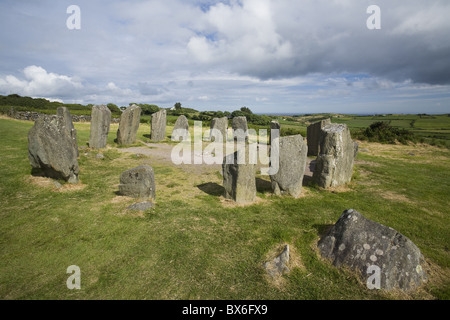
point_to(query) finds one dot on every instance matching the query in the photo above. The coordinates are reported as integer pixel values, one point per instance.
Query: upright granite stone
(274, 125)
(355, 148)
(221, 125)
(138, 182)
(129, 125)
(51, 149)
(291, 165)
(239, 179)
(67, 118)
(313, 136)
(334, 164)
(370, 247)
(180, 130)
(240, 128)
(158, 130)
(100, 121)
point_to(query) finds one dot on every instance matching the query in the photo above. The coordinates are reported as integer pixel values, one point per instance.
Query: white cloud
(38, 82)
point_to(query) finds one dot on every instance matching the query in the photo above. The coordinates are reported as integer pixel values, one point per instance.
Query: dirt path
(161, 152)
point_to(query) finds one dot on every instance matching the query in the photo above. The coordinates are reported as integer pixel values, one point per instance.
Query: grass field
(196, 245)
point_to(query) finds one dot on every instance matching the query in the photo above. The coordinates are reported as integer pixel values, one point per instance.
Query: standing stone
(355, 148)
(292, 163)
(334, 164)
(158, 130)
(313, 136)
(138, 182)
(220, 124)
(51, 149)
(180, 130)
(67, 118)
(100, 121)
(368, 246)
(274, 125)
(129, 125)
(239, 179)
(240, 128)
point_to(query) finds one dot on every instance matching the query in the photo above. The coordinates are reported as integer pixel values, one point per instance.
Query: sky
(273, 56)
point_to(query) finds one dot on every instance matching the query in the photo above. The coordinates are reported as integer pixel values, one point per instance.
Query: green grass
(191, 245)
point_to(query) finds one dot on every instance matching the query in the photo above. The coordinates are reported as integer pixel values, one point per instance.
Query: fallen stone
(180, 130)
(129, 125)
(141, 206)
(278, 266)
(313, 136)
(334, 164)
(365, 245)
(99, 156)
(138, 182)
(51, 149)
(158, 130)
(291, 165)
(100, 122)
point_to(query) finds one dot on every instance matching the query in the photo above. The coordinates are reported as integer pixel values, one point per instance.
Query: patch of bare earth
(390, 195)
(228, 203)
(44, 182)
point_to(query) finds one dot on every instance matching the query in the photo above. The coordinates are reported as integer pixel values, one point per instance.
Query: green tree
(177, 106)
(148, 108)
(246, 110)
(113, 108)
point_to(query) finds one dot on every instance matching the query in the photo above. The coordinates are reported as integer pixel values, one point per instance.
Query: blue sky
(272, 56)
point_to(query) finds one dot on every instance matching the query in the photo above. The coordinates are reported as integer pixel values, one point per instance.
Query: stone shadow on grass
(322, 229)
(212, 189)
(263, 186)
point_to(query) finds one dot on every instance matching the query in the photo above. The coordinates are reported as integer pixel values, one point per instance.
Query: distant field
(435, 129)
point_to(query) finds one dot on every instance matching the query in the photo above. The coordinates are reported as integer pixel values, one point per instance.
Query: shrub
(383, 132)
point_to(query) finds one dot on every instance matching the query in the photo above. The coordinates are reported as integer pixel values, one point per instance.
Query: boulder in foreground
(371, 248)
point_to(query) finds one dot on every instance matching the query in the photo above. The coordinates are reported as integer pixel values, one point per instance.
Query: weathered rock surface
(138, 182)
(68, 123)
(239, 179)
(360, 243)
(220, 124)
(291, 165)
(129, 125)
(51, 149)
(100, 121)
(181, 129)
(141, 206)
(313, 136)
(240, 128)
(278, 266)
(334, 165)
(158, 130)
